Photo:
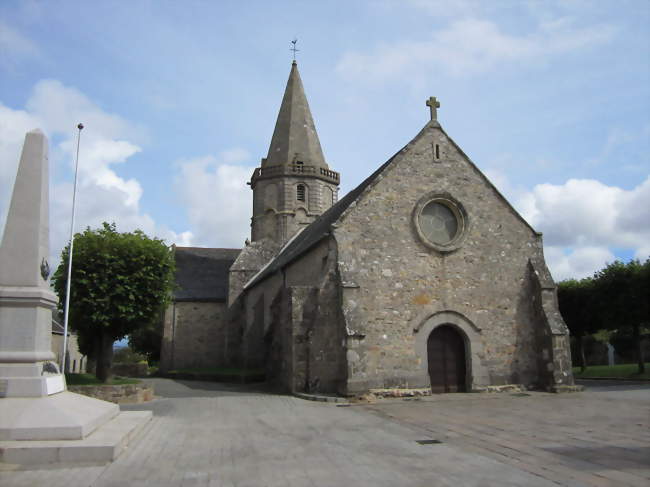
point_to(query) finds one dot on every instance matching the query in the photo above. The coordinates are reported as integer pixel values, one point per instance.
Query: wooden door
(446, 353)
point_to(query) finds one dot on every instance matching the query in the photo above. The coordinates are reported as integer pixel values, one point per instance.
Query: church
(422, 277)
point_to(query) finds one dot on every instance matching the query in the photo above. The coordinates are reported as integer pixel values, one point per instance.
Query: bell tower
(293, 184)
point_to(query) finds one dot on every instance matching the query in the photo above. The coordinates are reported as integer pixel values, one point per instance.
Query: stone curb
(622, 379)
(227, 378)
(318, 398)
(116, 393)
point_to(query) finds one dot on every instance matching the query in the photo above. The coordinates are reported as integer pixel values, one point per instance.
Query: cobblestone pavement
(206, 434)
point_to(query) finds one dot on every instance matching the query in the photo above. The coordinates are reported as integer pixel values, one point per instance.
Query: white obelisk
(34, 404)
(26, 300)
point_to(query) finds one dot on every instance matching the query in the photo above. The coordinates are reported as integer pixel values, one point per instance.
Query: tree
(623, 292)
(577, 304)
(120, 283)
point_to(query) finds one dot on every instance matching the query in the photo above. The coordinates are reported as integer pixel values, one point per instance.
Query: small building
(194, 327)
(76, 361)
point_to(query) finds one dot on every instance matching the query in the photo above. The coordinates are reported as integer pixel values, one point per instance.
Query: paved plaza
(207, 434)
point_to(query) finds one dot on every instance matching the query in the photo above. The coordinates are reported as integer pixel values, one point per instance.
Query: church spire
(295, 139)
(294, 184)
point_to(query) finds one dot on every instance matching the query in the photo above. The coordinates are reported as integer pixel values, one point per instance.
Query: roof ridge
(208, 248)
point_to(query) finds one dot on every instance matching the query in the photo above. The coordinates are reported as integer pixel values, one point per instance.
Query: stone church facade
(423, 276)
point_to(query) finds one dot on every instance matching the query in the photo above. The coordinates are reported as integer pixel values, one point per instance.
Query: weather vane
(293, 48)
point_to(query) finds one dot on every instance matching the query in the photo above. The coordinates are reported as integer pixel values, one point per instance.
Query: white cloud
(216, 197)
(584, 221)
(588, 212)
(471, 46)
(103, 195)
(576, 264)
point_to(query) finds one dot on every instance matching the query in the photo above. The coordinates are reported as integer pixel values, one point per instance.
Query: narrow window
(299, 166)
(300, 192)
(74, 363)
(437, 151)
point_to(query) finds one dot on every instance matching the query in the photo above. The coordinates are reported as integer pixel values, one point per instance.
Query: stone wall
(119, 394)
(322, 325)
(256, 319)
(285, 360)
(393, 282)
(278, 215)
(130, 370)
(554, 351)
(305, 338)
(249, 261)
(195, 335)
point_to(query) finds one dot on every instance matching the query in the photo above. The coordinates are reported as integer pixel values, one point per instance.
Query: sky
(550, 99)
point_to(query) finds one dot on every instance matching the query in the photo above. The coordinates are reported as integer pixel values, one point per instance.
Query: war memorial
(40, 421)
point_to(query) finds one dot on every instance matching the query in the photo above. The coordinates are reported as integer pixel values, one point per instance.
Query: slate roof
(317, 230)
(56, 326)
(202, 273)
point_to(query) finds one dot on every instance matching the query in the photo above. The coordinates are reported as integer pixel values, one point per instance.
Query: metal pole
(67, 291)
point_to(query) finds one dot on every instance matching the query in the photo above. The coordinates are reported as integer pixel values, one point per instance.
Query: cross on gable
(432, 103)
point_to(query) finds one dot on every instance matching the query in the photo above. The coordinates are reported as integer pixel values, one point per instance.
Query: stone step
(62, 416)
(103, 445)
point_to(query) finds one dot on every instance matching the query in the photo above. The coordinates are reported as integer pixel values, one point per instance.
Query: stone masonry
(374, 289)
(423, 275)
(398, 289)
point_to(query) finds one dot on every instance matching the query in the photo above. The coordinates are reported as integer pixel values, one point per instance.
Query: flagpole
(67, 291)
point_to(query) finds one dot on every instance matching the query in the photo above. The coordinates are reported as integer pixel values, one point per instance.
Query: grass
(622, 371)
(91, 380)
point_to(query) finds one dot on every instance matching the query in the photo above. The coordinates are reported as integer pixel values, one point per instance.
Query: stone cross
(432, 103)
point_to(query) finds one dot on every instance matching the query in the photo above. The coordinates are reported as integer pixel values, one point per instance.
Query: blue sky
(551, 99)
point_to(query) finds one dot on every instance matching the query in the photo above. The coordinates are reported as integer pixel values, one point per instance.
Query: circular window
(440, 222)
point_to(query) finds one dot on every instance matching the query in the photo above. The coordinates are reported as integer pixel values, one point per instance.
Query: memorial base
(28, 380)
(62, 416)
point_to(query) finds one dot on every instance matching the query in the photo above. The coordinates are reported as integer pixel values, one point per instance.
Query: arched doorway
(446, 356)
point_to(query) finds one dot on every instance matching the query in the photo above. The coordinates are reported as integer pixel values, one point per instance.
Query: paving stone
(206, 434)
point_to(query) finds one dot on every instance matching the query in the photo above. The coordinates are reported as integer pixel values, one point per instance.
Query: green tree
(623, 293)
(120, 283)
(576, 300)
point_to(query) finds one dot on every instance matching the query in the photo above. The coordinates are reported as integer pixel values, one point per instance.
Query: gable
(432, 151)
(421, 146)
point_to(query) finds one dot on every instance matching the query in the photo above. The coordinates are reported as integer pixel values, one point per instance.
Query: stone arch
(476, 372)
